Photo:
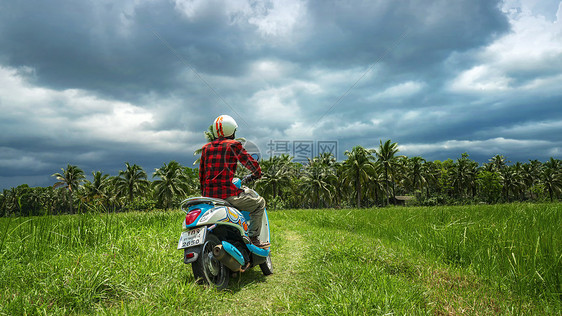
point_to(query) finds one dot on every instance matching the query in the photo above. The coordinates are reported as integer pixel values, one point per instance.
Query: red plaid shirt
(218, 164)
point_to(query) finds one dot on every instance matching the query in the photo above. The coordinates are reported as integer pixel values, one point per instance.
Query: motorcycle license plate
(192, 237)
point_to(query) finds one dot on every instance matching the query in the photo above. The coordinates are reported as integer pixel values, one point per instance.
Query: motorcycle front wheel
(207, 268)
(267, 266)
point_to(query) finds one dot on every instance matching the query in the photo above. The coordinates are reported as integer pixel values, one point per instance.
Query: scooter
(215, 239)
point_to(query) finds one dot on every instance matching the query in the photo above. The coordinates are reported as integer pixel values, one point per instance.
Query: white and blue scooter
(215, 239)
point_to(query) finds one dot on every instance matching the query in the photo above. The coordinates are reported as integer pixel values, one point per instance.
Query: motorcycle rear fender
(219, 215)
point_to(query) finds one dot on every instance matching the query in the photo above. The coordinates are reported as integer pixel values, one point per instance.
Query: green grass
(502, 259)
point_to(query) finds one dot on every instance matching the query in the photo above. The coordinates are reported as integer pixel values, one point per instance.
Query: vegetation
(456, 258)
(366, 178)
(475, 260)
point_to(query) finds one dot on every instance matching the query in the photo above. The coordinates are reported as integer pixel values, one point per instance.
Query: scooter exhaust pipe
(225, 258)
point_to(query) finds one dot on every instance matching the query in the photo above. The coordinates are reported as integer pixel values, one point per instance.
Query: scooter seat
(205, 200)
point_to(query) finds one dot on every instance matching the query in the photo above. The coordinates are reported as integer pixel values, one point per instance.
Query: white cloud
(195, 9)
(339, 80)
(350, 129)
(277, 18)
(546, 85)
(524, 58)
(124, 122)
(271, 70)
(525, 130)
(555, 152)
(280, 104)
(397, 121)
(481, 78)
(399, 91)
(488, 147)
(280, 19)
(275, 106)
(534, 42)
(299, 131)
(16, 159)
(76, 116)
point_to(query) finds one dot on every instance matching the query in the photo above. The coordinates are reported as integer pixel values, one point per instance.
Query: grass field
(502, 259)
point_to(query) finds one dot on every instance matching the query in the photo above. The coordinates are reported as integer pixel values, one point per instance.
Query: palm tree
(192, 176)
(173, 183)
(70, 179)
(60, 200)
(326, 160)
(292, 193)
(318, 177)
(464, 175)
(489, 185)
(386, 157)
(519, 171)
(277, 171)
(551, 177)
(48, 199)
(95, 191)
(530, 173)
(113, 195)
(10, 201)
(431, 172)
(415, 173)
(341, 190)
(555, 164)
(2, 203)
(358, 168)
(497, 163)
(510, 180)
(131, 181)
(35, 200)
(337, 179)
(376, 183)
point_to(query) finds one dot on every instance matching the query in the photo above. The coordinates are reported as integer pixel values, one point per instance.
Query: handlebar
(247, 179)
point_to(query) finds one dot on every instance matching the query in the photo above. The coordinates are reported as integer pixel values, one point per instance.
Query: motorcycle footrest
(258, 251)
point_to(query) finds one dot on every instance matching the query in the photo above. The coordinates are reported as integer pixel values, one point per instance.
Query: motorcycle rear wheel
(208, 268)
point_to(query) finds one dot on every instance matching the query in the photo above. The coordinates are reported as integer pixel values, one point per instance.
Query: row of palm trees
(130, 189)
(366, 178)
(379, 177)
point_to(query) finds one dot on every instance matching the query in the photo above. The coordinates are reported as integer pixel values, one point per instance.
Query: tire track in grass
(280, 292)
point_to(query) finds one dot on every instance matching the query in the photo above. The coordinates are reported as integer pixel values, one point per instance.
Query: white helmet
(224, 126)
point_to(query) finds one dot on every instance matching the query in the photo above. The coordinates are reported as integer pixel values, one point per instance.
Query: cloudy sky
(97, 84)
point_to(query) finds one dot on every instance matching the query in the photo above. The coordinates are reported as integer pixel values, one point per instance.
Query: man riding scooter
(217, 167)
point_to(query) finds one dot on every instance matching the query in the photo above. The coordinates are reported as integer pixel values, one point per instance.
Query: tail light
(192, 216)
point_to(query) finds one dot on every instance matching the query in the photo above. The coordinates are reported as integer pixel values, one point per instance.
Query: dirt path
(274, 294)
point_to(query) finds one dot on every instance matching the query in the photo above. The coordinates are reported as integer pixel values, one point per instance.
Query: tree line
(366, 178)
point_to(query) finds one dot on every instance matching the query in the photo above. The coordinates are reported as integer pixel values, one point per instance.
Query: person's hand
(247, 179)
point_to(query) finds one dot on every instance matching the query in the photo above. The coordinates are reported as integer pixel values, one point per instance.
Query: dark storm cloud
(45, 156)
(98, 84)
(123, 52)
(113, 49)
(357, 33)
(103, 48)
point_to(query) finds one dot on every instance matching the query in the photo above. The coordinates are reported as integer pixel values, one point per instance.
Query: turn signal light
(192, 216)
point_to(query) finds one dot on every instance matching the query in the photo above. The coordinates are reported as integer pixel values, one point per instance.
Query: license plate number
(192, 238)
